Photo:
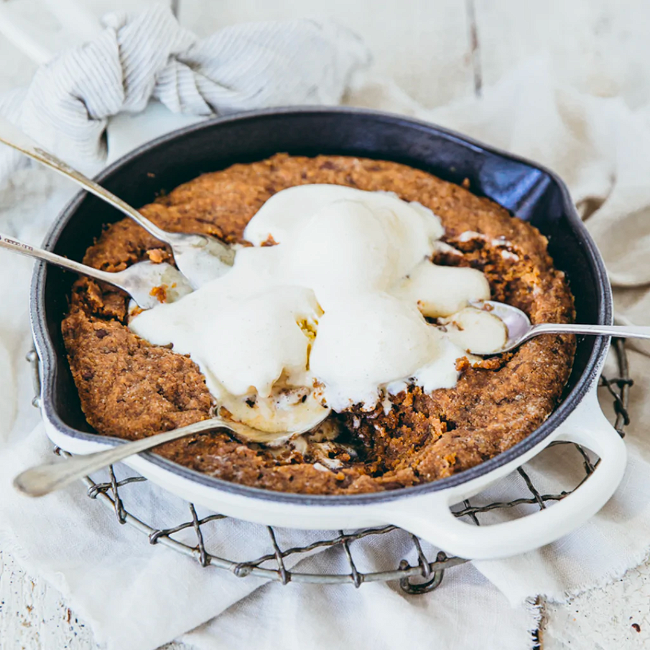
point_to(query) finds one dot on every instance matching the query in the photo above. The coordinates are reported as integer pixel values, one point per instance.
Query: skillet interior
(527, 190)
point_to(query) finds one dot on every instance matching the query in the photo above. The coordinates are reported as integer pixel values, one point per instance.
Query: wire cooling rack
(418, 578)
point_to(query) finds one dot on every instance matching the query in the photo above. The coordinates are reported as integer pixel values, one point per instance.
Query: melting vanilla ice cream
(332, 314)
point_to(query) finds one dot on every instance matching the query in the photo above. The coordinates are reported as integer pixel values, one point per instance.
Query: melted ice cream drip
(332, 315)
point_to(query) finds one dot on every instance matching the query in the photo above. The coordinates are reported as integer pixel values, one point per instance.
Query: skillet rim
(49, 362)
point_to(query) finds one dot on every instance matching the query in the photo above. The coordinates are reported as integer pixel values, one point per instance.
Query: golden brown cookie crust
(130, 389)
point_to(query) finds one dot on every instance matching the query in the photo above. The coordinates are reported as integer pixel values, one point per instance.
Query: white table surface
(438, 50)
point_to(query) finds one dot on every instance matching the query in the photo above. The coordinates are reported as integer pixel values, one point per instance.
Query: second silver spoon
(138, 280)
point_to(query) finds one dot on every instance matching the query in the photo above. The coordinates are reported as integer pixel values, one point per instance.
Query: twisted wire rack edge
(422, 577)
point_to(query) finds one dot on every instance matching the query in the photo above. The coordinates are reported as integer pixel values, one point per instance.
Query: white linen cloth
(149, 55)
(137, 597)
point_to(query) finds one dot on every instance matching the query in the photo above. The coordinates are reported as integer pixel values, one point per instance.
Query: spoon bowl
(517, 323)
(147, 283)
(151, 284)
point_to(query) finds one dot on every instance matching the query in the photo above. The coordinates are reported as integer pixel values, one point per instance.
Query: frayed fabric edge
(11, 546)
(535, 608)
(566, 596)
(606, 579)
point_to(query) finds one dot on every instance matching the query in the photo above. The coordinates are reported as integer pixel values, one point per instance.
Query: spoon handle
(49, 477)
(617, 331)
(12, 244)
(13, 137)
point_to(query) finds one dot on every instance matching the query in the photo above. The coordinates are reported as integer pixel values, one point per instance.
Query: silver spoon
(137, 280)
(200, 258)
(519, 328)
(49, 477)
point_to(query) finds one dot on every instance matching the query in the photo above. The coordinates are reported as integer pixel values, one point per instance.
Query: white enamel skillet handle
(430, 517)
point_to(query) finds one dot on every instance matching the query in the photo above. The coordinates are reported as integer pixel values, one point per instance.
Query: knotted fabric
(147, 56)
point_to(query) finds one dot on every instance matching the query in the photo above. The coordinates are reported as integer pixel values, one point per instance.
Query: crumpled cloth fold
(149, 55)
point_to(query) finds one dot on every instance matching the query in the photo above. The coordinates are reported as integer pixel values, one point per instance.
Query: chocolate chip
(100, 334)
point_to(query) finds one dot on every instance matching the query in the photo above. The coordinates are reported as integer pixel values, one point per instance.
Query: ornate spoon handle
(13, 137)
(43, 479)
(617, 331)
(17, 246)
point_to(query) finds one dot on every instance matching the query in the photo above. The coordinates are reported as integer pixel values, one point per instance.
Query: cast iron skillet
(527, 190)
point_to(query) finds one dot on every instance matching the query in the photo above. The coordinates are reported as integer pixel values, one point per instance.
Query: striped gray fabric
(149, 55)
